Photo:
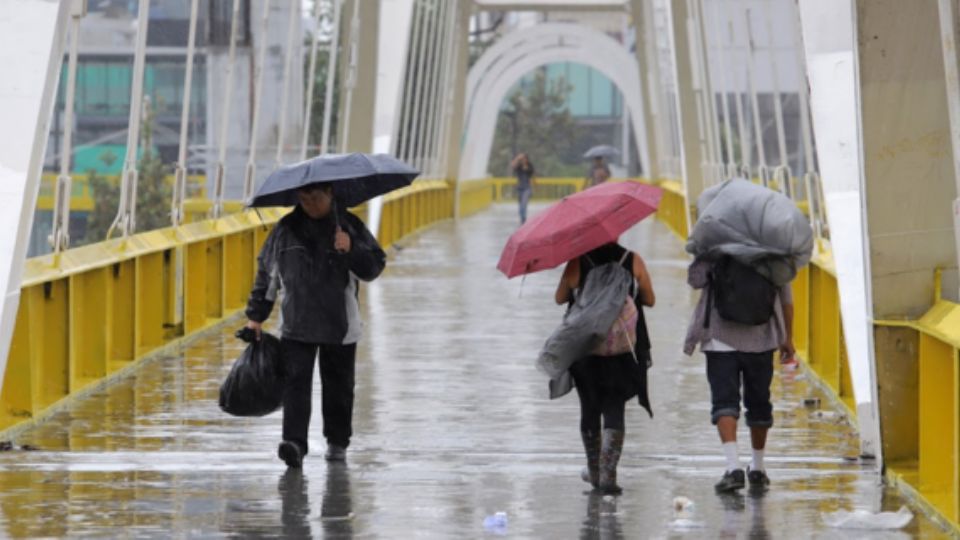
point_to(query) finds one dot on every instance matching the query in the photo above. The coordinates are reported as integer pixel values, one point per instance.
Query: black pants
(599, 394)
(337, 371)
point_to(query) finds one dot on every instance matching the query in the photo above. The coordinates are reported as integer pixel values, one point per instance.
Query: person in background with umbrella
(317, 254)
(524, 171)
(599, 172)
(605, 383)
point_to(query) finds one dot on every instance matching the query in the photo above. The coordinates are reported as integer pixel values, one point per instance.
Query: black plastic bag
(254, 386)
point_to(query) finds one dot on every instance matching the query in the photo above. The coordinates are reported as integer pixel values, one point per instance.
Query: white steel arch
(519, 52)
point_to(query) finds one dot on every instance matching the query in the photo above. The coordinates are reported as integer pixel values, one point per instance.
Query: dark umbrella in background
(356, 178)
(602, 151)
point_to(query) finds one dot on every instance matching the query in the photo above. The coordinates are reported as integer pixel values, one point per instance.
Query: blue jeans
(727, 372)
(523, 196)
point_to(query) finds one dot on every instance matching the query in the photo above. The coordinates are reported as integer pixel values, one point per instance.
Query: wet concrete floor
(452, 425)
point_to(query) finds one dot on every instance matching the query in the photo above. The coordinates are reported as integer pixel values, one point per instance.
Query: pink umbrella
(576, 225)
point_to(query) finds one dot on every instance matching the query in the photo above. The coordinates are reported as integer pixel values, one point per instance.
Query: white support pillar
(829, 45)
(457, 97)
(691, 157)
(396, 17)
(950, 37)
(32, 38)
(641, 12)
(358, 75)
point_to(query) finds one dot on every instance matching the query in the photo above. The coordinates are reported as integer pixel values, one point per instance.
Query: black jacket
(298, 257)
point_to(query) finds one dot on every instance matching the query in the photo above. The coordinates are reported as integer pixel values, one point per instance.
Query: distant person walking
(599, 172)
(525, 173)
(317, 253)
(603, 382)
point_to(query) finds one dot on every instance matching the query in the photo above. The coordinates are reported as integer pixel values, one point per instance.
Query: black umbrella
(603, 150)
(357, 178)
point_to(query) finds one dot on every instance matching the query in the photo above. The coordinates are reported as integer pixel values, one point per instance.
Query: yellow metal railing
(81, 194)
(94, 311)
(673, 207)
(547, 189)
(476, 196)
(407, 210)
(817, 329)
(921, 422)
(91, 311)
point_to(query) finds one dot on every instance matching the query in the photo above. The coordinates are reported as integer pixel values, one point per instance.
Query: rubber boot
(591, 447)
(610, 450)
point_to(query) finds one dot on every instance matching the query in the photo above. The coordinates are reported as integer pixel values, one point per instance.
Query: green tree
(538, 121)
(153, 191)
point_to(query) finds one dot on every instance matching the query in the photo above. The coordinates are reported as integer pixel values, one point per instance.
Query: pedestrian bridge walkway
(451, 424)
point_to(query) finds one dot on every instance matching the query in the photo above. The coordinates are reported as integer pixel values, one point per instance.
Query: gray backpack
(587, 322)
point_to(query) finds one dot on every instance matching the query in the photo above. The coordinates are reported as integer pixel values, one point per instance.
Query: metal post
(777, 105)
(742, 128)
(311, 79)
(180, 178)
(250, 172)
(331, 78)
(221, 171)
(722, 61)
(402, 150)
(710, 101)
(351, 79)
(452, 48)
(428, 161)
(762, 171)
(60, 231)
(127, 210)
(803, 92)
(418, 93)
(697, 83)
(287, 61)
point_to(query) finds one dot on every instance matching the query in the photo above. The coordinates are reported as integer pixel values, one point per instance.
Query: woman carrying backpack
(605, 383)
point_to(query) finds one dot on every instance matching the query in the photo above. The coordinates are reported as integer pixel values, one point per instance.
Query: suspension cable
(60, 235)
(221, 171)
(180, 177)
(250, 172)
(127, 209)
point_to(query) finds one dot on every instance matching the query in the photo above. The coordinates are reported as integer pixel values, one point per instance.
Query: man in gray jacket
(316, 255)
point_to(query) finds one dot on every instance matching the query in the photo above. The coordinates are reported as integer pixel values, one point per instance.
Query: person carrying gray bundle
(748, 244)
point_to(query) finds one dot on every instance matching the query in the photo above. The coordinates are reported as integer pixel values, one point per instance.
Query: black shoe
(759, 482)
(291, 454)
(731, 481)
(335, 452)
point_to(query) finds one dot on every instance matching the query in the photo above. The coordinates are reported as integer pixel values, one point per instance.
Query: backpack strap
(709, 293)
(633, 281)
